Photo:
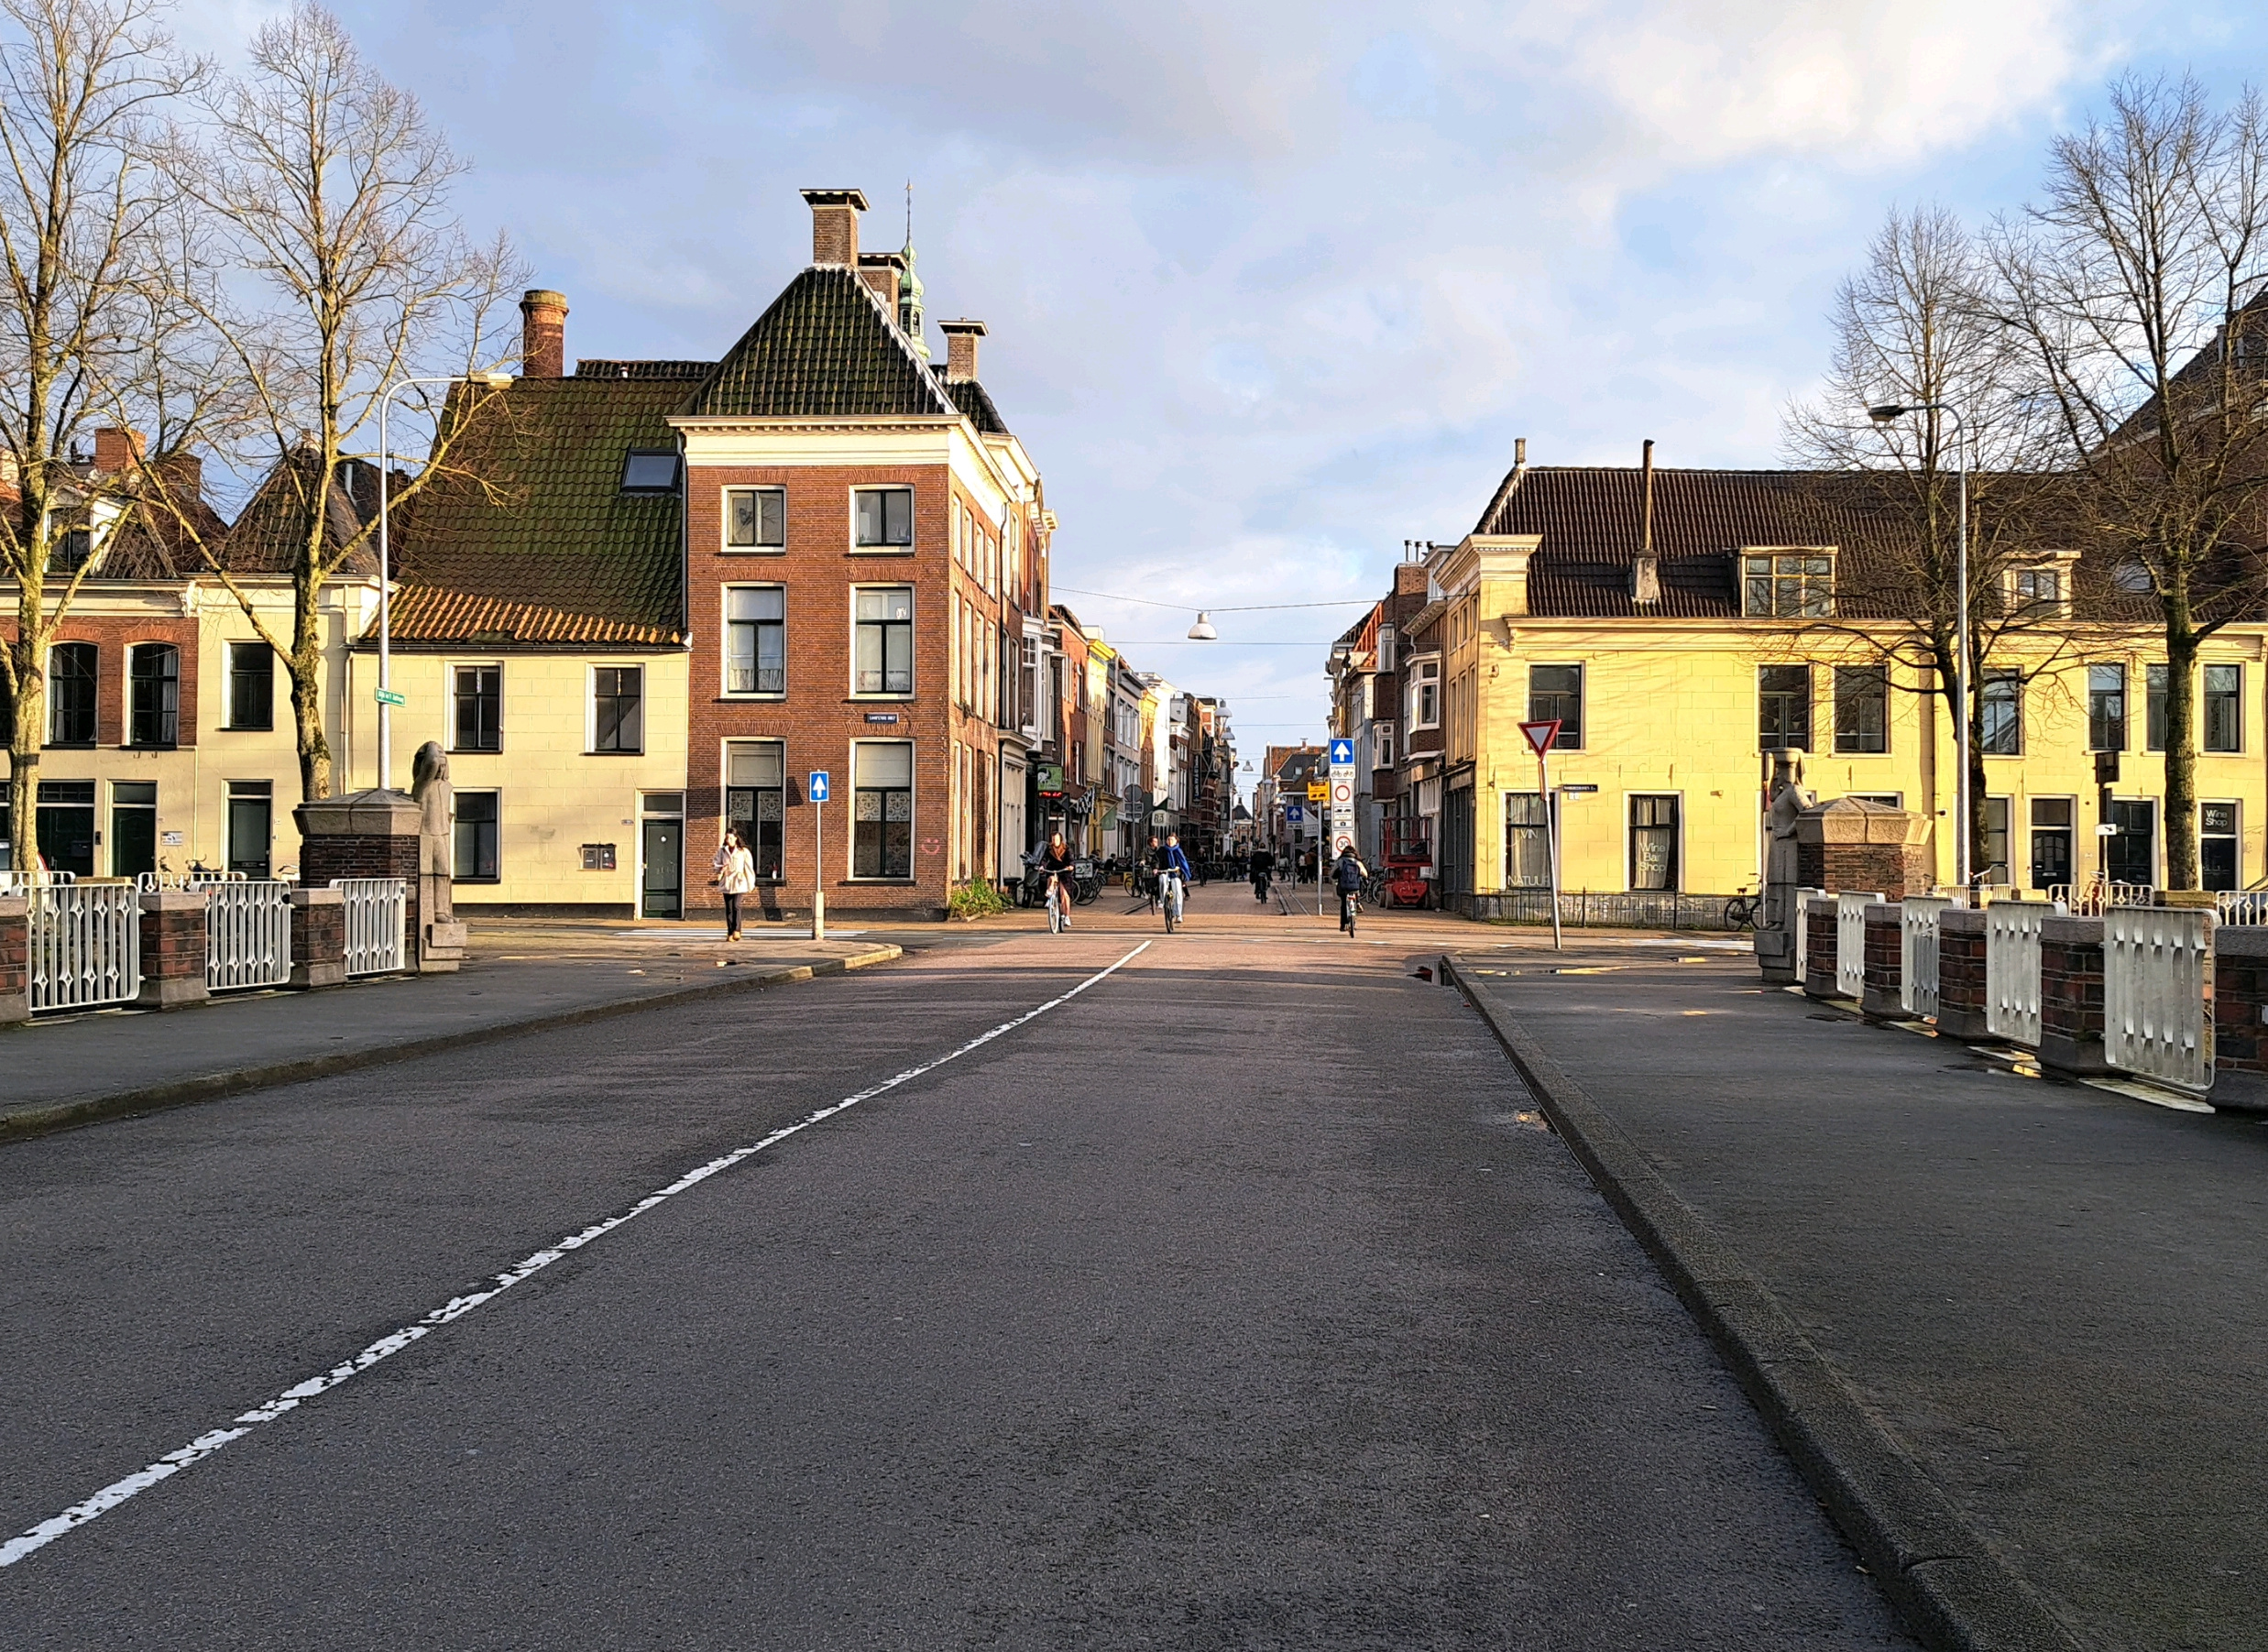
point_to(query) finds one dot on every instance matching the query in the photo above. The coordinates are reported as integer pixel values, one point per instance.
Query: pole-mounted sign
(822, 783)
(1542, 737)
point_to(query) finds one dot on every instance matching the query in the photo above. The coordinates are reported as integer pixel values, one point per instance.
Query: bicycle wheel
(1055, 916)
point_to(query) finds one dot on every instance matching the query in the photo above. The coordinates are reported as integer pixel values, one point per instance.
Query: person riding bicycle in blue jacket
(1169, 858)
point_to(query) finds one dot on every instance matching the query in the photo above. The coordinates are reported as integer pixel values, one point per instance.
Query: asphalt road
(1240, 1300)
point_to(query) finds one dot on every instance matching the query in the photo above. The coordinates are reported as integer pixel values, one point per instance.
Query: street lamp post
(1963, 850)
(495, 381)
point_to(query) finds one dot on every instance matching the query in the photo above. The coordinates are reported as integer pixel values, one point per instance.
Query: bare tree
(1912, 327)
(86, 270)
(333, 188)
(2135, 282)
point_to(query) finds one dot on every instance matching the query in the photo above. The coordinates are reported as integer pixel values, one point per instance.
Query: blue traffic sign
(1341, 751)
(820, 783)
(1294, 813)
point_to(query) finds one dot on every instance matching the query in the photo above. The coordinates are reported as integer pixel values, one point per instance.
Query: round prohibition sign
(1342, 792)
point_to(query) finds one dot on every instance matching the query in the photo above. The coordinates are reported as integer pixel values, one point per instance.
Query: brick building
(864, 542)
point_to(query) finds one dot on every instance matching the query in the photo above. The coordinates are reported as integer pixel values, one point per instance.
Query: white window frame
(1425, 671)
(912, 792)
(912, 534)
(724, 519)
(726, 788)
(1812, 603)
(913, 662)
(1382, 744)
(2205, 667)
(1629, 837)
(724, 642)
(590, 709)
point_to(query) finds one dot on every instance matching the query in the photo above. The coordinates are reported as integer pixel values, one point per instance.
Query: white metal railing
(247, 934)
(1917, 953)
(377, 911)
(2157, 1014)
(1803, 928)
(153, 882)
(2248, 907)
(2012, 970)
(19, 883)
(1850, 942)
(2091, 899)
(86, 946)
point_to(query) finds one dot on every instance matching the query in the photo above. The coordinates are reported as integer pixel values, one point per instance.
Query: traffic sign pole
(1541, 737)
(820, 783)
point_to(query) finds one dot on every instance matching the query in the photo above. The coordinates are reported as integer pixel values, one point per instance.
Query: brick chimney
(115, 450)
(885, 272)
(961, 350)
(1646, 571)
(542, 333)
(835, 227)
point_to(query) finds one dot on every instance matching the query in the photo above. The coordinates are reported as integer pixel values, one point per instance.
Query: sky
(1272, 288)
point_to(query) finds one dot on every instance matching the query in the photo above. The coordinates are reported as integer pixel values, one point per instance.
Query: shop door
(1653, 841)
(662, 853)
(2133, 857)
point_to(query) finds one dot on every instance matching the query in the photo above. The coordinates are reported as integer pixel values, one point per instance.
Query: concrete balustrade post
(15, 960)
(1885, 963)
(173, 949)
(1961, 973)
(2071, 996)
(318, 937)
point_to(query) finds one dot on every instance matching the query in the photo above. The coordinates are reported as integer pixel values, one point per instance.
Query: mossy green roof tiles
(825, 349)
(531, 539)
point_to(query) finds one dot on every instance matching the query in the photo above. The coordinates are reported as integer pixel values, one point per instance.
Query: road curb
(212, 1087)
(1955, 1594)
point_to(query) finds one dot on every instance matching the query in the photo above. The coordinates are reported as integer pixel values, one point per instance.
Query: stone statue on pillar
(440, 938)
(1776, 925)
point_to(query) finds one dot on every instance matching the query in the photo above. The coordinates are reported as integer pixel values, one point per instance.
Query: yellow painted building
(1675, 706)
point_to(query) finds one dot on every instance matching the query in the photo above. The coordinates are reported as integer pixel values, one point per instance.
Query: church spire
(909, 286)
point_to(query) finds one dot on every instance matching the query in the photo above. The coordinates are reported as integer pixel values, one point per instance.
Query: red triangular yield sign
(1541, 735)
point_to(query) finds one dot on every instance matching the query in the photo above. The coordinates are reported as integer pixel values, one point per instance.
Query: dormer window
(648, 470)
(2039, 591)
(1787, 584)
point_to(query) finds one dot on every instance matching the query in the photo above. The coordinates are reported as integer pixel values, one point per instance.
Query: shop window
(2219, 855)
(1653, 841)
(1527, 841)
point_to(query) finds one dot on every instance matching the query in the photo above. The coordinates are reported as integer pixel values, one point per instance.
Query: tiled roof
(826, 349)
(1588, 520)
(534, 541)
(973, 399)
(605, 367)
(271, 530)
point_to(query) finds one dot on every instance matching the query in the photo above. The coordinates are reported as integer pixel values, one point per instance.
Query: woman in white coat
(736, 876)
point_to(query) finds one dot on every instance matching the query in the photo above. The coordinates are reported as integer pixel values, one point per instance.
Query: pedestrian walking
(736, 876)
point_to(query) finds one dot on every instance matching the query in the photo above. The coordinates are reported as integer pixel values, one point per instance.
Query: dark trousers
(732, 914)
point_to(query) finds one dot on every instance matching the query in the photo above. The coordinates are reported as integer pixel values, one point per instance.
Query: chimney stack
(961, 350)
(1520, 453)
(1646, 572)
(542, 333)
(835, 227)
(886, 273)
(115, 450)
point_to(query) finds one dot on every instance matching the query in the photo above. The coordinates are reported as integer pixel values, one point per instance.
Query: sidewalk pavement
(2012, 1331)
(523, 975)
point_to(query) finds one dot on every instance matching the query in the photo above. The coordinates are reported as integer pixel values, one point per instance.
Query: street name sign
(392, 697)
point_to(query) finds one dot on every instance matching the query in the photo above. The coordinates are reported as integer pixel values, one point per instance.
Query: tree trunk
(2180, 757)
(306, 669)
(24, 734)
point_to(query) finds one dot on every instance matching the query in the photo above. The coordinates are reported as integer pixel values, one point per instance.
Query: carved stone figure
(1776, 925)
(436, 798)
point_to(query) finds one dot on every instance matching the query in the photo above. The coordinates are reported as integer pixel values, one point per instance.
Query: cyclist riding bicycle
(1348, 876)
(1168, 862)
(1055, 861)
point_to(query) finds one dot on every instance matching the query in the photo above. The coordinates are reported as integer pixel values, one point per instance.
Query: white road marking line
(457, 1307)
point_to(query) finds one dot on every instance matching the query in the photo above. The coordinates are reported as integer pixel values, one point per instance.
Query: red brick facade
(114, 640)
(818, 716)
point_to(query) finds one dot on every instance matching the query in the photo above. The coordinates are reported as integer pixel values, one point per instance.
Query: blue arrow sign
(820, 783)
(1294, 813)
(1341, 751)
